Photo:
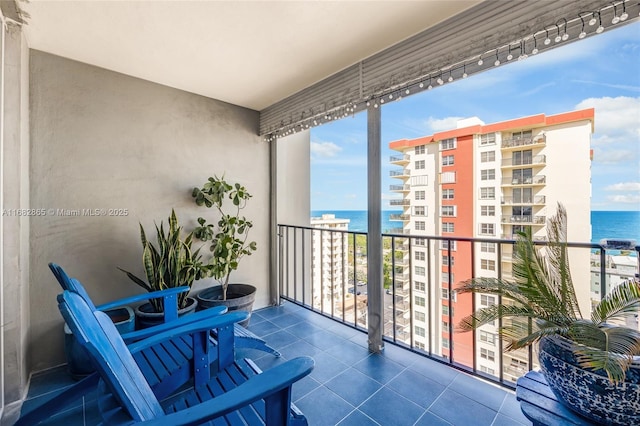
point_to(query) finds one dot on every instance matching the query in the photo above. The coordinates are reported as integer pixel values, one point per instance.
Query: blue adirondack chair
(238, 393)
(244, 338)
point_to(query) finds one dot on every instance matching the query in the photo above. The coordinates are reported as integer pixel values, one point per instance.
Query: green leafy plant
(172, 263)
(229, 240)
(546, 305)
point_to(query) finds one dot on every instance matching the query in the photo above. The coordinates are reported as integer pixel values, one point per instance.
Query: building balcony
(525, 181)
(519, 201)
(526, 219)
(400, 174)
(400, 188)
(400, 217)
(400, 202)
(538, 160)
(515, 143)
(400, 159)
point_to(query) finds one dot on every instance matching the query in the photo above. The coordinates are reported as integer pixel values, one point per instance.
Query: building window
(420, 271)
(522, 135)
(419, 300)
(419, 286)
(445, 277)
(444, 244)
(419, 211)
(447, 227)
(420, 164)
(488, 139)
(445, 343)
(419, 345)
(488, 265)
(420, 225)
(445, 294)
(448, 177)
(488, 174)
(487, 157)
(421, 180)
(487, 229)
(449, 211)
(447, 144)
(487, 354)
(419, 255)
(447, 261)
(445, 326)
(487, 193)
(445, 310)
(487, 247)
(420, 149)
(487, 210)
(486, 300)
(420, 195)
(487, 370)
(419, 242)
(419, 331)
(420, 316)
(447, 194)
(487, 337)
(447, 160)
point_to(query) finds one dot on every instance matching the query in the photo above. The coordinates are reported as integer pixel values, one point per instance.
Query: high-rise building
(329, 263)
(487, 181)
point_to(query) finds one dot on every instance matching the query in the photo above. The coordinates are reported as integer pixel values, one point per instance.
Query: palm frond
(621, 300)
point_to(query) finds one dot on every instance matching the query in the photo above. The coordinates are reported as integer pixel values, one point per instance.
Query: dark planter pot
(146, 317)
(78, 360)
(589, 393)
(240, 297)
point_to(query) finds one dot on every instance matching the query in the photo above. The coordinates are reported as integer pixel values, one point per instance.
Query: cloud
(351, 196)
(615, 118)
(324, 149)
(625, 199)
(440, 124)
(624, 186)
(608, 156)
(613, 86)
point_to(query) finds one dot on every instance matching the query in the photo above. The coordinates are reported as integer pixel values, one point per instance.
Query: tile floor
(349, 386)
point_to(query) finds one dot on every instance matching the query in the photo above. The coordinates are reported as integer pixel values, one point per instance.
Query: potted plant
(229, 244)
(591, 364)
(172, 263)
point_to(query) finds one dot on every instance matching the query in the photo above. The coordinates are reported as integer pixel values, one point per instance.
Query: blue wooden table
(541, 406)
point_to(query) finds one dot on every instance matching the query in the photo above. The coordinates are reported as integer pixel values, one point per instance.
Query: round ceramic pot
(146, 317)
(589, 393)
(240, 297)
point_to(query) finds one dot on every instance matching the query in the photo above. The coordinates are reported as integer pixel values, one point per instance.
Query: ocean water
(604, 224)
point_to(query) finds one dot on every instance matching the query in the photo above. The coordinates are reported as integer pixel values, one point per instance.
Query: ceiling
(248, 53)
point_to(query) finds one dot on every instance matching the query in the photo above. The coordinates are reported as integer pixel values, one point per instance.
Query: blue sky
(602, 72)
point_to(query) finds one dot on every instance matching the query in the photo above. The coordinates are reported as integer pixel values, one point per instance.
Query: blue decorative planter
(78, 361)
(589, 393)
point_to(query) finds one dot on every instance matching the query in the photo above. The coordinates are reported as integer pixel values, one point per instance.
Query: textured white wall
(103, 140)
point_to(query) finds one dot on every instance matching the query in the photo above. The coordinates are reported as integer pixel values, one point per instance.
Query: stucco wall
(103, 140)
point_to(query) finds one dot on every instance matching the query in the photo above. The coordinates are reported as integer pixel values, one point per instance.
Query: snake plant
(546, 305)
(172, 263)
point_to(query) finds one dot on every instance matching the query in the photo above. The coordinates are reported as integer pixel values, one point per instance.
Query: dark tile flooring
(349, 385)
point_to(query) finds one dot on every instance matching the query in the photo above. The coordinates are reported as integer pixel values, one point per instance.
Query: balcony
(400, 188)
(512, 201)
(525, 181)
(538, 160)
(526, 219)
(400, 202)
(399, 159)
(400, 217)
(513, 143)
(400, 174)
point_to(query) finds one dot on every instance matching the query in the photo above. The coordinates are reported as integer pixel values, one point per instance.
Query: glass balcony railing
(539, 199)
(517, 142)
(421, 309)
(528, 219)
(402, 188)
(400, 202)
(530, 180)
(399, 158)
(518, 161)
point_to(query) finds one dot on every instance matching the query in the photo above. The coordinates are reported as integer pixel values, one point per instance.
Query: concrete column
(374, 239)
(14, 223)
